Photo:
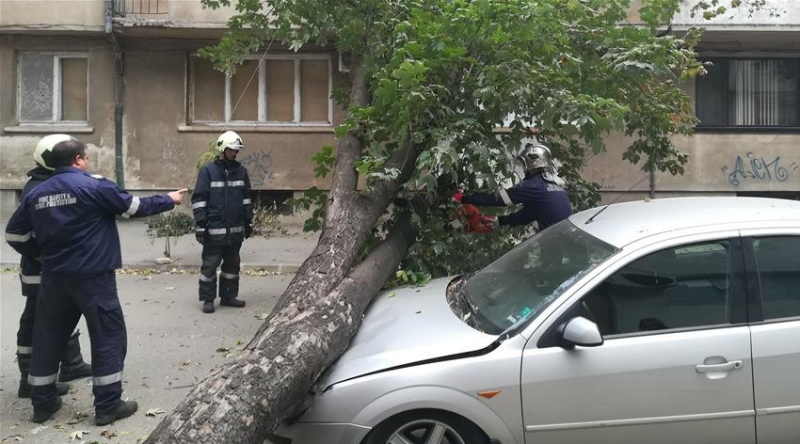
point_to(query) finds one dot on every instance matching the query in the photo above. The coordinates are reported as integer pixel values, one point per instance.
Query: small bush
(266, 220)
(173, 224)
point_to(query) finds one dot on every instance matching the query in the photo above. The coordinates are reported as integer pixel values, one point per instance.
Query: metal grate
(125, 7)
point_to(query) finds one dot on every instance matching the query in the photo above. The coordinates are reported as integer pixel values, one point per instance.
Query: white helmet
(42, 153)
(229, 139)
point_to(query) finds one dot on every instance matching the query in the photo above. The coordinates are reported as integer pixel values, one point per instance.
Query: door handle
(726, 367)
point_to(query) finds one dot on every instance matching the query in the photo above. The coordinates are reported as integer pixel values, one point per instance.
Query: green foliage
(266, 220)
(208, 155)
(323, 161)
(173, 224)
(710, 9)
(444, 75)
(313, 199)
(444, 248)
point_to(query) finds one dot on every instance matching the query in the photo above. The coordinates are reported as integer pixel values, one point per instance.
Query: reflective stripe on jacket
(542, 201)
(221, 202)
(68, 220)
(30, 270)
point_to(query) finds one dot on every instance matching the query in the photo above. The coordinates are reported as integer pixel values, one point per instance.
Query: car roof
(623, 223)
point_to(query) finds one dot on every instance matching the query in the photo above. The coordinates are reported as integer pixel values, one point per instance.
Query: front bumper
(322, 433)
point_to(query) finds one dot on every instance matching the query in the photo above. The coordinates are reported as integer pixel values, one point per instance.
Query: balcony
(123, 8)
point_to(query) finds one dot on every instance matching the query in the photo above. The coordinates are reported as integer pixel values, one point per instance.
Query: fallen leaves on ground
(39, 429)
(78, 434)
(154, 412)
(77, 417)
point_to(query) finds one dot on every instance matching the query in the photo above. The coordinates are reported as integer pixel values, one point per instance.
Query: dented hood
(403, 326)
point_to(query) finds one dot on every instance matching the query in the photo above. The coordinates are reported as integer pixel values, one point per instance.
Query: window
(749, 93)
(276, 90)
(778, 265)
(680, 287)
(53, 88)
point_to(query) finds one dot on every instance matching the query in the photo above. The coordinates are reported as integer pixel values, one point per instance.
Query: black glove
(248, 231)
(200, 236)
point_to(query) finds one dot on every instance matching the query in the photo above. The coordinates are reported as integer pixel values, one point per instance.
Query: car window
(778, 262)
(680, 287)
(523, 282)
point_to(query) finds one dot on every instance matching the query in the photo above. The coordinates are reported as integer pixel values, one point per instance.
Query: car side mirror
(580, 331)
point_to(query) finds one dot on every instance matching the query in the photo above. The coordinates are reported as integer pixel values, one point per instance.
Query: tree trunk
(313, 321)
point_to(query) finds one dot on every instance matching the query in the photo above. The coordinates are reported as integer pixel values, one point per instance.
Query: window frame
(263, 93)
(755, 302)
(57, 88)
(737, 303)
(727, 127)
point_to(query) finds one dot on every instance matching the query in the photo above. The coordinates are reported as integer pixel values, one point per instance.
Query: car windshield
(524, 281)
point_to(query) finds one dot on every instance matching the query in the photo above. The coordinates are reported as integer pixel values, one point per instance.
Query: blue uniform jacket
(68, 221)
(30, 269)
(542, 201)
(221, 203)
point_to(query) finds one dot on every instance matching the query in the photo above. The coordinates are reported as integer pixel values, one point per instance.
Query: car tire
(426, 426)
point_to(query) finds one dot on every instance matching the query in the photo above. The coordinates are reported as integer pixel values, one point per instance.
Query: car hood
(403, 326)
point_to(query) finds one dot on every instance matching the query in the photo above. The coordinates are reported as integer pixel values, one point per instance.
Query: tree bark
(242, 401)
(313, 321)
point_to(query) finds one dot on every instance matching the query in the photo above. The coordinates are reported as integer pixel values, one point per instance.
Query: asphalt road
(171, 346)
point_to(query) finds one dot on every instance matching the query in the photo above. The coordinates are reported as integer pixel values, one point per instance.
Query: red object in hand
(474, 222)
(458, 196)
(487, 224)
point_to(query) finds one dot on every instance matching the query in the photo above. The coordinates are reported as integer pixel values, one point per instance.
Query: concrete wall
(33, 15)
(162, 147)
(17, 142)
(718, 164)
(173, 13)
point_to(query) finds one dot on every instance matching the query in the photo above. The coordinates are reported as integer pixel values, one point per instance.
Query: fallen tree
(432, 86)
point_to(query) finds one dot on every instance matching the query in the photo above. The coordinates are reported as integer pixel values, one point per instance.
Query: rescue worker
(541, 193)
(68, 222)
(72, 364)
(223, 214)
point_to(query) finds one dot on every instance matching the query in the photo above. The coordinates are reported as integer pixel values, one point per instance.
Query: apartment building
(124, 77)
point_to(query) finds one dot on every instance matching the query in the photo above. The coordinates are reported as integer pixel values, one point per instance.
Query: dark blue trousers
(61, 302)
(212, 255)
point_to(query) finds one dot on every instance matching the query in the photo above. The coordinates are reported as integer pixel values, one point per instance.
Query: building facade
(124, 77)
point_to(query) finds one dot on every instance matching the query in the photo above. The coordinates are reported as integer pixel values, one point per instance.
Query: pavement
(171, 344)
(282, 251)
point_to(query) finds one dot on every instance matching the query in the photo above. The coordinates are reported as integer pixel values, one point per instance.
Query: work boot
(232, 302)
(42, 415)
(208, 307)
(24, 390)
(73, 365)
(123, 410)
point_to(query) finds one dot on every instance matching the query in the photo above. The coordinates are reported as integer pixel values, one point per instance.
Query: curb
(166, 268)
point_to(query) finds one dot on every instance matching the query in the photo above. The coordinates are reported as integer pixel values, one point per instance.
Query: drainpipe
(119, 84)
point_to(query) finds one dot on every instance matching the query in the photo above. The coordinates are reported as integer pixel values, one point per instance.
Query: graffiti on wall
(755, 168)
(259, 168)
(173, 158)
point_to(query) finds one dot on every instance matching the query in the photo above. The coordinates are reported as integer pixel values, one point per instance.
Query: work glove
(200, 236)
(458, 195)
(248, 231)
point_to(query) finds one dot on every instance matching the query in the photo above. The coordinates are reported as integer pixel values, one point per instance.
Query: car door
(774, 259)
(675, 366)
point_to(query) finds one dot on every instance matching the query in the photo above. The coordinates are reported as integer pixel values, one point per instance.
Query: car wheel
(427, 427)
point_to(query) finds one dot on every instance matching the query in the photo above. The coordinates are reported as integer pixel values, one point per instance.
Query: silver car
(664, 321)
